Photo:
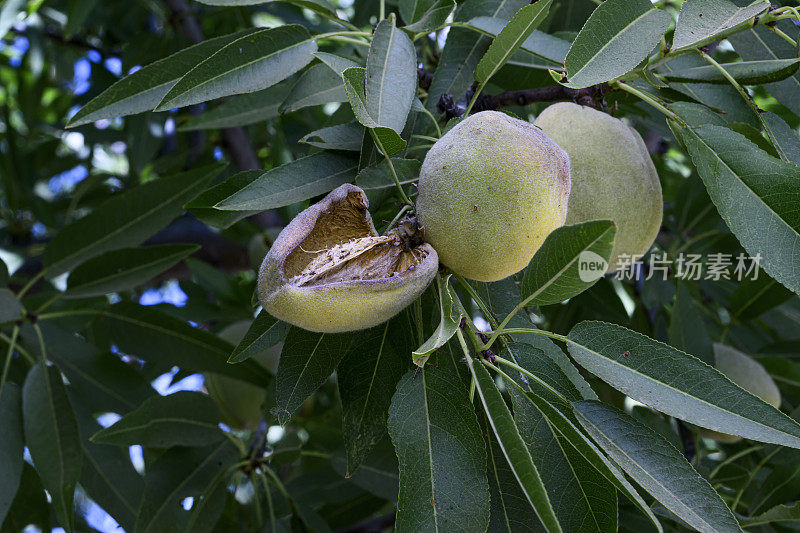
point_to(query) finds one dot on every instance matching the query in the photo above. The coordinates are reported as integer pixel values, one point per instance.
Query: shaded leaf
(11, 446)
(126, 219)
(185, 418)
(51, 435)
(264, 333)
(124, 269)
(744, 72)
(242, 110)
(307, 361)
(10, 308)
(318, 85)
(341, 137)
(538, 43)
(687, 331)
(432, 18)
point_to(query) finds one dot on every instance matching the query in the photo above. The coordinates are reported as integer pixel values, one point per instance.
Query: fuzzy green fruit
(613, 176)
(749, 375)
(241, 402)
(329, 271)
(490, 191)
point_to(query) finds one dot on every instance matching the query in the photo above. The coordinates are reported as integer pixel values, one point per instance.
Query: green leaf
(264, 333)
(11, 445)
(145, 88)
(252, 63)
(105, 383)
(10, 308)
(203, 206)
(510, 38)
(318, 85)
(463, 50)
(391, 76)
(377, 474)
(293, 182)
(126, 219)
(160, 338)
(744, 72)
(242, 110)
(780, 513)
(124, 269)
(427, 15)
(700, 21)
(367, 378)
(762, 43)
(107, 474)
(753, 297)
(354, 80)
(539, 44)
(336, 63)
(448, 323)
(687, 331)
(341, 137)
(180, 473)
(184, 418)
(441, 454)
(617, 37)
(513, 447)
(76, 16)
(51, 434)
(554, 274)
(657, 466)
(785, 139)
(677, 383)
(307, 360)
(755, 194)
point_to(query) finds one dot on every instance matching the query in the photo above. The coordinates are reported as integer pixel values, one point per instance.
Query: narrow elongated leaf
(432, 18)
(785, 139)
(51, 435)
(163, 339)
(448, 323)
(687, 332)
(389, 139)
(125, 220)
(657, 466)
(700, 21)
(617, 37)
(744, 72)
(514, 449)
(246, 65)
(755, 194)
(318, 6)
(342, 137)
(780, 513)
(185, 418)
(318, 85)
(538, 43)
(107, 473)
(378, 474)
(752, 297)
(762, 43)
(242, 110)
(441, 454)
(203, 206)
(367, 378)
(555, 273)
(10, 308)
(290, 183)
(124, 269)
(11, 446)
(464, 49)
(307, 360)
(180, 473)
(391, 76)
(265, 332)
(336, 63)
(145, 88)
(510, 38)
(105, 383)
(677, 383)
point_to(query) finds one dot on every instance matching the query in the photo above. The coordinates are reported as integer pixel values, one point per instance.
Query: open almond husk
(329, 271)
